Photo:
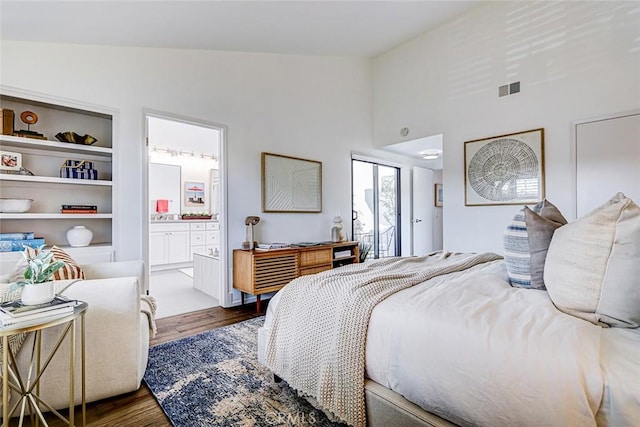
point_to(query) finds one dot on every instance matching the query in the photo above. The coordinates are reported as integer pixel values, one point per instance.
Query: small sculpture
(29, 118)
(337, 232)
(250, 221)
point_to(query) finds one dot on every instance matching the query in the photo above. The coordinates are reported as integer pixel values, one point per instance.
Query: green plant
(364, 248)
(40, 267)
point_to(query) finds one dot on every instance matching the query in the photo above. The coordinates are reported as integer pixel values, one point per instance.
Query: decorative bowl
(15, 205)
(74, 138)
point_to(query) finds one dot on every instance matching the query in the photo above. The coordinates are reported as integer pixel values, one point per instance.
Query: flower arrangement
(40, 267)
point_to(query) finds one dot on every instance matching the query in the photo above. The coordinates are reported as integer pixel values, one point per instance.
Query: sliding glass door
(376, 208)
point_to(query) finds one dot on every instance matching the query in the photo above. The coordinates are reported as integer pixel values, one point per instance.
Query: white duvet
(474, 350)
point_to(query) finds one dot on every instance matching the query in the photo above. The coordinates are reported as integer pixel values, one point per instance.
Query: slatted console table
(259, 272)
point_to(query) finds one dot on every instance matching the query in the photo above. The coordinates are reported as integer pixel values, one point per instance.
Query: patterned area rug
(214, 379)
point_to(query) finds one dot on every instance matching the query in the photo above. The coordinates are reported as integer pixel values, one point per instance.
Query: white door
(422, 211)
(607, 159)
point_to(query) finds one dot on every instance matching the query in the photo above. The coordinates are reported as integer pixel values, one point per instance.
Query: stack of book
(267, 246)
(79, 209)
(14, 314)
(12, 242)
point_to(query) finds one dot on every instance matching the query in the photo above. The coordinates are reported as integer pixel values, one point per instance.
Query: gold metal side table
(29, 388)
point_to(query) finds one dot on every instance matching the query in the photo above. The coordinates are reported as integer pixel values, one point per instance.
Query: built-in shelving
(20, 142)
(54, 179)
(44, 158)
(27, 215)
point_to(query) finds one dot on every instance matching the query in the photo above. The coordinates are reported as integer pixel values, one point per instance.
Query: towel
(162, 205)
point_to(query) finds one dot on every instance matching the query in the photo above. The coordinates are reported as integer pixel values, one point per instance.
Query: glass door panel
(375, 196)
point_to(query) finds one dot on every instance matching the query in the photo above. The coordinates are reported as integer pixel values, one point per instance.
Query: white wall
(575, 60)
(312, 107)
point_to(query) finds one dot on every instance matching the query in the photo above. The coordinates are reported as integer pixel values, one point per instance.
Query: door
(376, 208)
(607, 159)
(422, 211)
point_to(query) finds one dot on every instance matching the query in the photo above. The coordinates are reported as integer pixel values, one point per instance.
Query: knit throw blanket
(318, 333)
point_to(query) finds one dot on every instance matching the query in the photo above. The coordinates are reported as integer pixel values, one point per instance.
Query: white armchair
(116, 334)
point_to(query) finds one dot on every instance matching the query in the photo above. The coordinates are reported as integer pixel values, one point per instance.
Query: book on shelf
(80, 207)
(17, 236)
(18, 245)
(78, 211)
(342, 254)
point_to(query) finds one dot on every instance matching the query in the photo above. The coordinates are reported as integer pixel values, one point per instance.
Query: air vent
(508, 89)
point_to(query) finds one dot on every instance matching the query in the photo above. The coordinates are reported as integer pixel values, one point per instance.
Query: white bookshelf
(44, 157)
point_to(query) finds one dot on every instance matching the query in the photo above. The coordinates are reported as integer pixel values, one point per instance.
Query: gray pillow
(540, 229)
(526, 241)
(593, 265)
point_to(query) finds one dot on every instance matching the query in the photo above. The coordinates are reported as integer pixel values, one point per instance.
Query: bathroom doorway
(185, 245)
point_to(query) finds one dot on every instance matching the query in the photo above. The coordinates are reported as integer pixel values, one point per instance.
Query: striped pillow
(71, 269)
(519, 256)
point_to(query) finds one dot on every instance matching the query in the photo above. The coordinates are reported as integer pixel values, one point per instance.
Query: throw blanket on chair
(317, 339)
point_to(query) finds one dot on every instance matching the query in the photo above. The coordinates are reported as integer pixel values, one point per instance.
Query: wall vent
(508, 89)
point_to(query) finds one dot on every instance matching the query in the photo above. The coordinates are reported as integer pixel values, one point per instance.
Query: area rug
(214, 379)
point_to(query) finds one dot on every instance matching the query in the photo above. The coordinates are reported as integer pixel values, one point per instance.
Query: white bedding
(472, 349)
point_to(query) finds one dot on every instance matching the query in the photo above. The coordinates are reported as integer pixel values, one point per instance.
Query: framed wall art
(291, 184)
(505, 169)
(439, 196)
(10, 161)
(194, 193)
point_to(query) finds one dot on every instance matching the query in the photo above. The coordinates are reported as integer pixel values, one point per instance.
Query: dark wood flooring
(140, 408)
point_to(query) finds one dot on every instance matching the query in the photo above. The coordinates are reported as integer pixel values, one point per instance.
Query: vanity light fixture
(431, 154)
(180, 153)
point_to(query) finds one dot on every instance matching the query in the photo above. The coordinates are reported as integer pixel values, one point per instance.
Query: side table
(29, 388)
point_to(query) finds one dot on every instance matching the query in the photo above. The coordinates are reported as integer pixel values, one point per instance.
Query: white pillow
(592, 270)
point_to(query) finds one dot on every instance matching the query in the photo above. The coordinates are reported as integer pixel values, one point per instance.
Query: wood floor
(140, 408)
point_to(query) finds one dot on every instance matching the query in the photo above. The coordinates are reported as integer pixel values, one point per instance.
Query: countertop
(162, 221)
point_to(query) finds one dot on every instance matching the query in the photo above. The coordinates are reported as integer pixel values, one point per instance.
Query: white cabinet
(172, 243)
(44, 157)
(168, 244)
(205, 238)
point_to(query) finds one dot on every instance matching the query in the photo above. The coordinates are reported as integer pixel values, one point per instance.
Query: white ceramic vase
(79, 236)
(38, 293)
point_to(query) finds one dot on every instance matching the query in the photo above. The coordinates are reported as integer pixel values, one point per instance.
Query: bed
(457, 346)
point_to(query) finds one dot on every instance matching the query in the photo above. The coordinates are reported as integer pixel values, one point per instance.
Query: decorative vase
(38, 293)
(79, 236)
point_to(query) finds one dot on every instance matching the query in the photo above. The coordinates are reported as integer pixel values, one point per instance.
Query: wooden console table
(258, 272)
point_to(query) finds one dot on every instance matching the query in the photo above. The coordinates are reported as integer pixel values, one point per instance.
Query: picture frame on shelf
(438, 196)
(10, 161)
(291, 184)
(505, 169)
(194, 193)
